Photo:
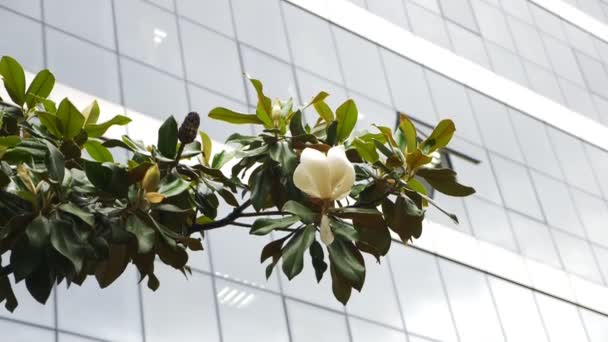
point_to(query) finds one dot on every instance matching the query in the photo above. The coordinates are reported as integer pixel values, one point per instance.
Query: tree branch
(6, 270)
(236, 213)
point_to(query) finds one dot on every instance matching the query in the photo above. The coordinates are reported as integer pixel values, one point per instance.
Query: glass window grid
(225, 95)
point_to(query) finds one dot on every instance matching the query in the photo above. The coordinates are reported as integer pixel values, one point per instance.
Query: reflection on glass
(309, 323)
(259, 314)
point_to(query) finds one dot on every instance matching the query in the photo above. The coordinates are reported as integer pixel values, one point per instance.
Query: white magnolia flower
(327, 177)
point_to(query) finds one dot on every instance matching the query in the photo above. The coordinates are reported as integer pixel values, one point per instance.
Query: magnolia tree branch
(6, 270)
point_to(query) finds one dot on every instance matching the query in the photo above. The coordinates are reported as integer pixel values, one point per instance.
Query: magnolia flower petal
(327, 236)
(311, 175)
(342, 173)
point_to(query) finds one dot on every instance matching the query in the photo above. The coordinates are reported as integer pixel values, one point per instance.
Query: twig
(263, 213)
(236, 213)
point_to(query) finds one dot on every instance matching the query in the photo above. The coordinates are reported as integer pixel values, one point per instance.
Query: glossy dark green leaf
(346, 115)
(70, 119)
(339, 285)
(174, 187)
(348, 262)
(403, 217)
(97, 130)
(227, 115)
(332, 133)
(373, 235)
(263, 226)
(293, 252)
(260, 184)
(65, 240)
(303, 212)
(40, 88)
(98, 152)
(295, 125)
(14, 79)
(367, 150)
(55, 163)
(318, 260)
(40, 284)
(145, 235)
(7, 294)
(73, 209)
(113, 267)
(282, 153)
(38, 232)
(167, 138)
(444, 181)
(108, 177)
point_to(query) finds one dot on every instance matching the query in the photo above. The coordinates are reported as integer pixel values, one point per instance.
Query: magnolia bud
(276, 112)
(151, 179)
(189, 128)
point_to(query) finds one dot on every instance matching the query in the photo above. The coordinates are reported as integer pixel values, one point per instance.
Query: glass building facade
(529, 261)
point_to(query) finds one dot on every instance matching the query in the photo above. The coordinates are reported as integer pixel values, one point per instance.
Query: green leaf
(227, 115)
(304, 213)
(295, 125)
(282, 153)
(373, 236)
(55, 163)
(318, 260)
(91, 113)
(409, 131)
(417, 159)
(167, 138)
(440, 137)
(348, 262)
(145, 235)
(174, 188)
(71, 208)
(40, 284)
(113, 267)
(108, 177)
(339, 285)
(264, 107)
(403, 217)
(98, 152)
(321, 96)
(265, 225)
(332, 133)
(444, 181)
(293, 253)
(38, 232)
(346, 115)
(40, 88)
(50, 121)
(97, 130)
(70, 119)
(206, 147)
(324, 111)
(65, 240)
(367, 150)
(14, 79)
(9, 140)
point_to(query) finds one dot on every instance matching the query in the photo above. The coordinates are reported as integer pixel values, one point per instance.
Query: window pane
(73, 338)
(29, 310)
(516, 187)
(539, 151)
(580, 39)
(409, 87)
(27, 7)
(19, 35)
(578, 99)
(561, 320)
(311, 43)
(117, 306)
(276, 75)
(594, 73)
(431, 5)
(544, 82)
(492, 24)
(573, 160)
(490, 223)
(428, 25)
(548, 22)
(83, 66)
(421, 295)
(534, 239)
(147, 91)
(98, 28)
(518, 8)
(212, 60)
(593, 212)
(309, 323)
(25, 333)
(495, 126)
(377, 302)
(363, 332)
(557, 204)
(181, 309)
(392, 10)
(452, 102)
(310, 85)
(468, 44)
(148, 34)
(507, 64)
(577, 256)
(245, 305)
(596, 324)
(471, 302)
(214, 14)
(599, 162)
(355, 52)
(453, 205)
(518, 312)
(267, 34)
(461, 12)
(528, 42)
(563, 60)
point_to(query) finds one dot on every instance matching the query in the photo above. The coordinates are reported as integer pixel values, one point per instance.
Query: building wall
(529, 261)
